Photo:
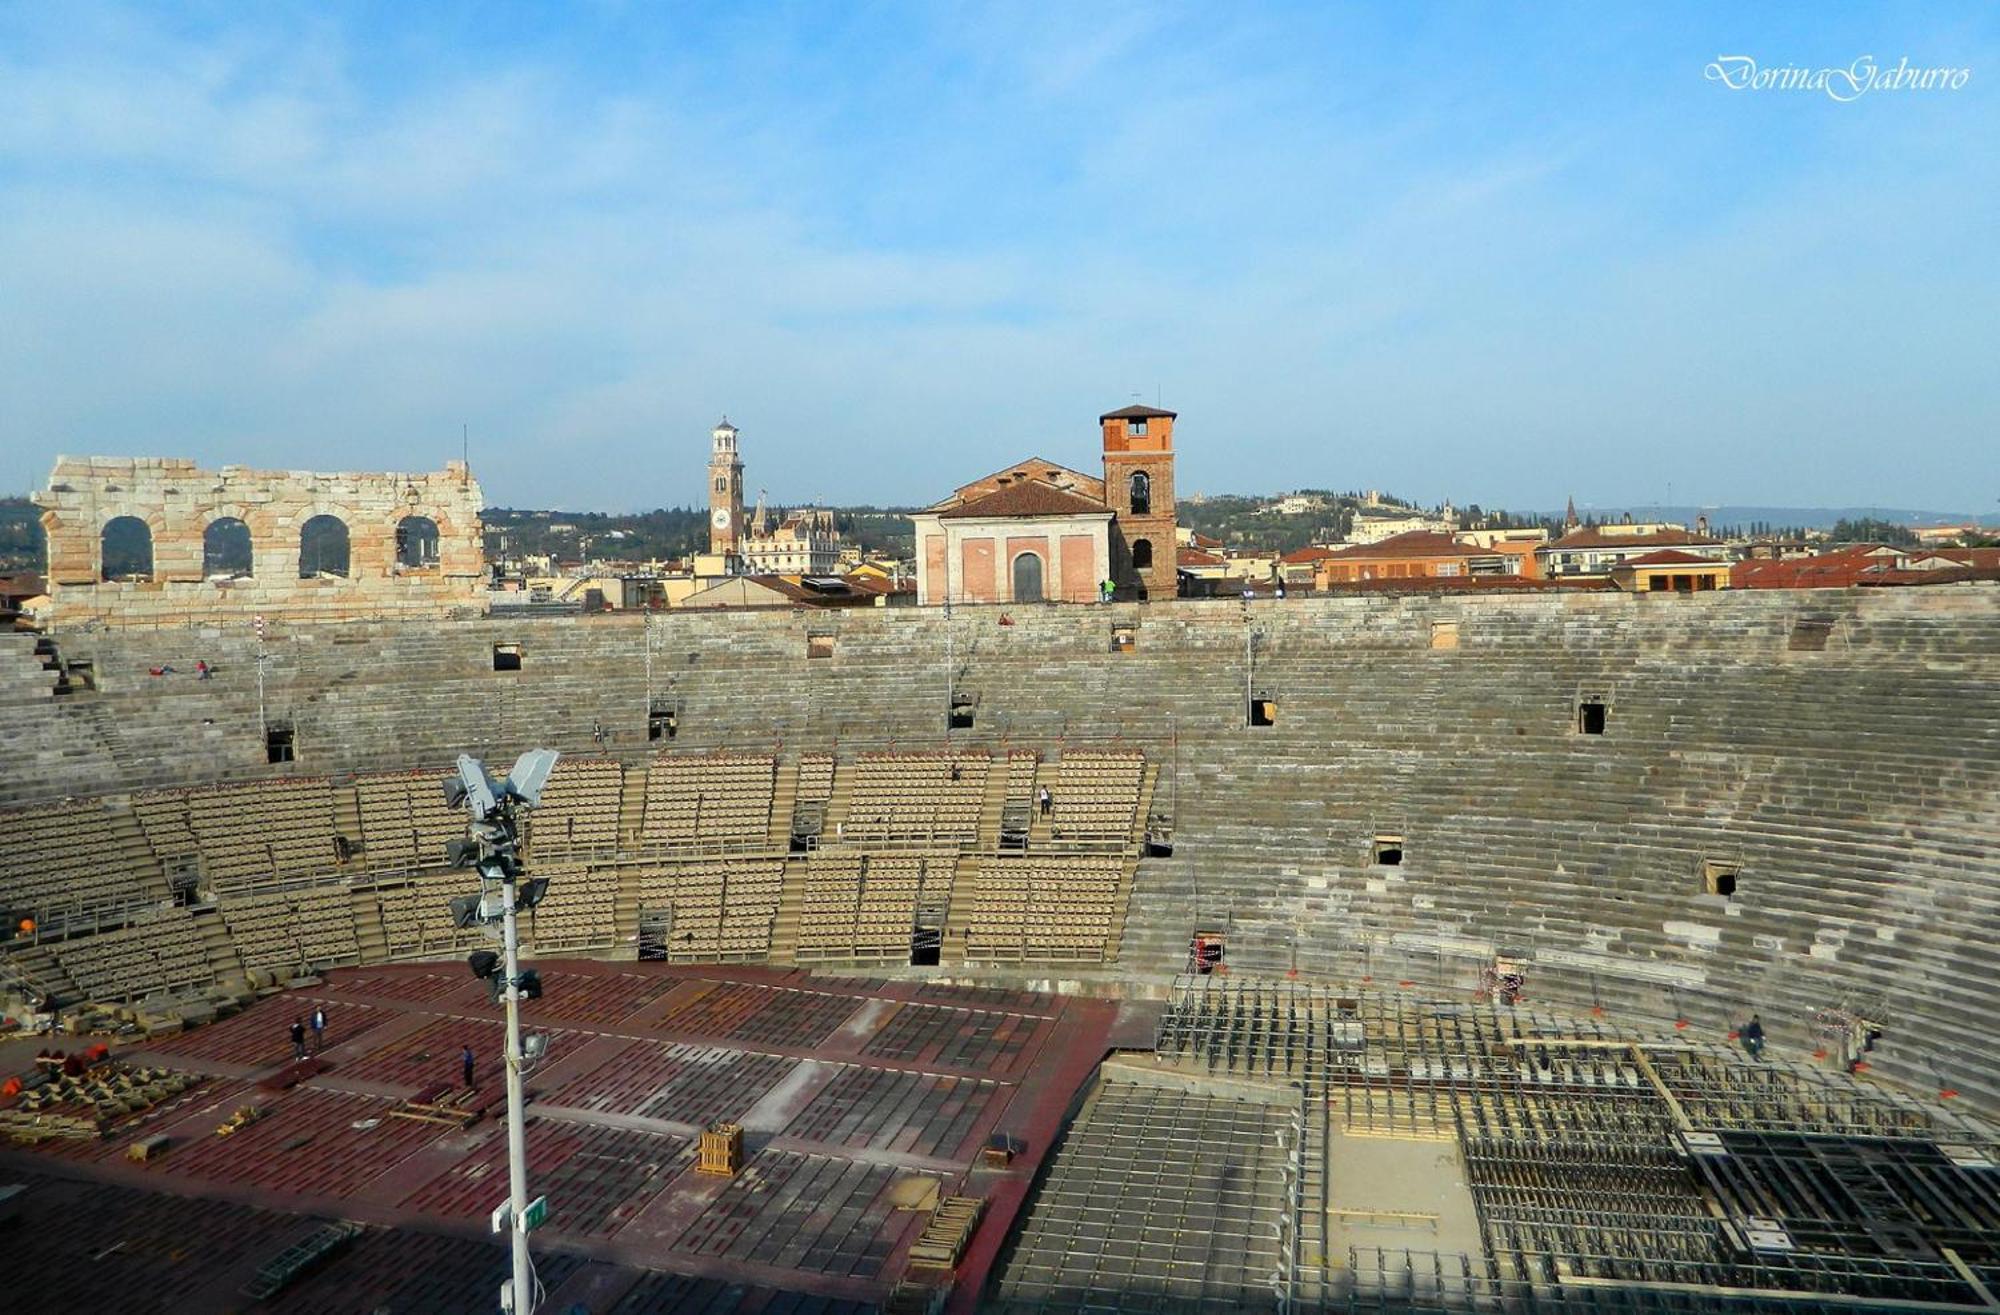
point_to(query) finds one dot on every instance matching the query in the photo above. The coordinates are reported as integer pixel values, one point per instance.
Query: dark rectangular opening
(1263, 711)
(506, 657)
(1719, 878)
(819, 646)
(1810, 636)
(1590, 716)
(926, 944)
(1388, 850)
(1123, 639)
(961, 714)
(1205, 951)
(278, 746)
(662, 722)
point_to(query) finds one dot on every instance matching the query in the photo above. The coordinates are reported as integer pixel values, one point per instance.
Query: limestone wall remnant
(156, 541)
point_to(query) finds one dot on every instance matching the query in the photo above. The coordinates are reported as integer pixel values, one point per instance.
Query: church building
(1041, 532)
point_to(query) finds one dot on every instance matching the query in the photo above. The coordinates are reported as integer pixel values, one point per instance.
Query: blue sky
(1497, 255)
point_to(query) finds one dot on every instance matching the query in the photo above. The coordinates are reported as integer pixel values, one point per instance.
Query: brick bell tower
(725, 491)
(1139, 489)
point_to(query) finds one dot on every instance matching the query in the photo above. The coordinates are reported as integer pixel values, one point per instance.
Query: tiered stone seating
(579, 809)
(65, 857)
(723, 908)
(708, 800)
(285, 930)
(161, 952)
(579, 911)
(863, 906)
(1054, 908)
(917, 796)
(1097, 794)
(405, 820)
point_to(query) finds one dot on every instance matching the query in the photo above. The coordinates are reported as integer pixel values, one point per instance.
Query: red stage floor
(845, 1088)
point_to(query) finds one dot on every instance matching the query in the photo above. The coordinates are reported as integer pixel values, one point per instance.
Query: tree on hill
(1871, 530)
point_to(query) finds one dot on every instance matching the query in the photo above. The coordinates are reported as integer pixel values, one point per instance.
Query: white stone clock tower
(725, 492)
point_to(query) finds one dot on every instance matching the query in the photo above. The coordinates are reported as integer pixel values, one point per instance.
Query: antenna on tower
(464, 453)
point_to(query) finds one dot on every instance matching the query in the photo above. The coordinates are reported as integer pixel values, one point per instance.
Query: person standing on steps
(318, 1027)
(1047, 801)
(298, 1039)
(466, 1061)
(1753, 1037)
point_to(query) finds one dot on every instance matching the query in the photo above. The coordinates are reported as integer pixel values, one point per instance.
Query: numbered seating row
(162, 952)
(1097, 794)
(917, 796)
(578, 813)
(580, 908)
(405, 821)
(719, 908)
(293, 930)
(708, 798)
(66, 856)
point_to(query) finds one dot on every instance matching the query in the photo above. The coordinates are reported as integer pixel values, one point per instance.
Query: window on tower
(1142, 494)
(722, 486)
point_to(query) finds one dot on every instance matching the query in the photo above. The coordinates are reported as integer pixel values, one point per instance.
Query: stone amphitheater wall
(1839, 750)
(178, 501)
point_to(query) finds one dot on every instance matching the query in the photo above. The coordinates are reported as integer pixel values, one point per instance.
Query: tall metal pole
(517, 1126)
(517, 1132)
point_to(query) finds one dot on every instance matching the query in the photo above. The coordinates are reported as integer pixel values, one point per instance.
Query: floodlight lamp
(529, 893)
(465, 912)
(454, 792)
(534, 1046)
(484, 963)
(461, 852)
(529, 774)
(479, 794)
(529, 983)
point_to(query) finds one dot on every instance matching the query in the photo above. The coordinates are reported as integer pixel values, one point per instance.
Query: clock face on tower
(721, 518)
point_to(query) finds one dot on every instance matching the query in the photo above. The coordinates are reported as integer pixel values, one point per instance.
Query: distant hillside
(21, 547)
(664, 533)
(1811, 518)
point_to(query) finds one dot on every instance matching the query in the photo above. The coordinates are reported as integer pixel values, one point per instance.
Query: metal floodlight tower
(492, 844)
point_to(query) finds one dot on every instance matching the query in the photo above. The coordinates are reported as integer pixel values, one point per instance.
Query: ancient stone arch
(179, 502)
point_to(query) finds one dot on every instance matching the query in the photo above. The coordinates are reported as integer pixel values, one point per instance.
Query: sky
(1498, 254)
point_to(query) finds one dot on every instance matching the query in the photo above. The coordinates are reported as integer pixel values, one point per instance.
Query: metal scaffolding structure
(1611, 1168)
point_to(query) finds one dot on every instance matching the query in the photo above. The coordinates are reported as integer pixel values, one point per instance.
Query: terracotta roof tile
(1028, 498)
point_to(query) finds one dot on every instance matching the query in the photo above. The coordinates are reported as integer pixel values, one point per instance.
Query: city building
(1592, 551)
(1415, 554)
(1670, 570)
(1038, 531)
(804, 543)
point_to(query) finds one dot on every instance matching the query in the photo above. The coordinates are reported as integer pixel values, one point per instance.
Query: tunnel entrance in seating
(1263, 710)
(663, 721)
(961, 712)
(278, 745)
(1719, 877)
(1388, 849)
(819, 646)
(1590, 716)
(656, 928)
(506, 657)
(926, 944)
(1205, 952)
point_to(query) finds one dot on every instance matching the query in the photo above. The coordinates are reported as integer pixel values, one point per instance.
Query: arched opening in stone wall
(1142, 555)
(1141, 489)
(225, 550)
(416, 541)
(126, 549)
(1028, 578)
(323, 548)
